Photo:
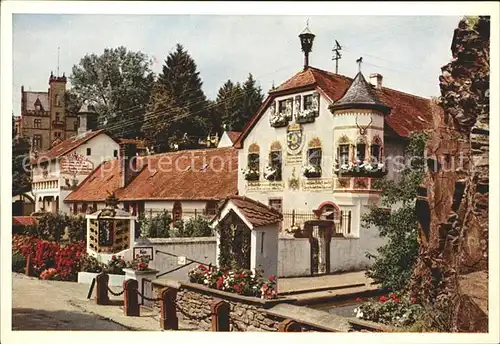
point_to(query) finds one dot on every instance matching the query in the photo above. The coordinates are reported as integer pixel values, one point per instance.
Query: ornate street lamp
(306, 42)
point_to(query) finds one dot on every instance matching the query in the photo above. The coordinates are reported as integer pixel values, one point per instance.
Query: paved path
(45, 305)
(309, 284)
(52, 305)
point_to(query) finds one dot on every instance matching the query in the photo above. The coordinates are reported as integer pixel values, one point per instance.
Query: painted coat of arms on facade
(294, 138)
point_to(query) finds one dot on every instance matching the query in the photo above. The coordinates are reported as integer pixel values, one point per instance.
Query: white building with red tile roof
(184, 183)
(319, 142)
(57, 172)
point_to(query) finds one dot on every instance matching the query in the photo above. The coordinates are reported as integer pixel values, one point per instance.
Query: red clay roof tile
(257, 213)
(233, 135)
(408, 112)
(67, 146)
(24, 221)
(204, 174)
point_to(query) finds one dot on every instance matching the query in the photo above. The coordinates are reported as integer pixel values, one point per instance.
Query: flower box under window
(279, 121)
(311, 171)
(251, 175)
(360, 170)
(306, 116)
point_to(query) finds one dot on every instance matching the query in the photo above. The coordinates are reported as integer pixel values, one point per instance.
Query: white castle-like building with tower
(317, 146)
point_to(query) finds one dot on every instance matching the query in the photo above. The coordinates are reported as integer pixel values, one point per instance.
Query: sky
(407, 50)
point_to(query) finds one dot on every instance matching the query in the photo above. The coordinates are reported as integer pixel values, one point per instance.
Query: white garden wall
(347, 254)
(294, 257)
(200, 249)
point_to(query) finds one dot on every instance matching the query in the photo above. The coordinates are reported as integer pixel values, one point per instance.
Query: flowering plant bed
(49, 259)
(116, 265)
(396, 310)
(140, 263)
(239, 281)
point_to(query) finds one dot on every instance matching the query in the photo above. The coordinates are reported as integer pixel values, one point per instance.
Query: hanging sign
(143, 252)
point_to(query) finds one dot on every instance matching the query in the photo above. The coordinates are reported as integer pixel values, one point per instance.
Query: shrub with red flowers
(140, 263)
(115, 266)
(240, 281)
(394, 309)
(47, 255)
(49, 274)
(69, 259)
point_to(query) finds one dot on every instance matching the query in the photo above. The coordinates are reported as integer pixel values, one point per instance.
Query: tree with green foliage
(394, 261)
(252, 100)
(21, 175)
(178, 108)
(155, 226)
(119, 83)
(193, 227)
(237, 103)
(229, 105)
(53, 226)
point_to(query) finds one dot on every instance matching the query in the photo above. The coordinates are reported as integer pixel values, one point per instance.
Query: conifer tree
(230, 105)
(180, 99)
(237, 103)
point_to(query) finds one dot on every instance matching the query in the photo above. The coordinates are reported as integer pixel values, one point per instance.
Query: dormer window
(308, 102)
(282, 106)
(38, 105)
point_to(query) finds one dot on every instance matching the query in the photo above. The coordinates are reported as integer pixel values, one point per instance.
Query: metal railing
(293, 218)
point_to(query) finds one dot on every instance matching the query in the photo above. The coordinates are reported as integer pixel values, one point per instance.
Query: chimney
(128, 163)
(87, 118)
(376, 80)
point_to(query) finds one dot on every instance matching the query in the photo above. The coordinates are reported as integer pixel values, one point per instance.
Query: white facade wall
(264, 135)
(102, 148)
(346, 254)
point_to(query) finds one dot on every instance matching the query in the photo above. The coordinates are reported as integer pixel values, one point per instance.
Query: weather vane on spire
(307, 22)
(359, 61)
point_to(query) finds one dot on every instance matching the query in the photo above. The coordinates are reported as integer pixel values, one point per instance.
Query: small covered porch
(247, 235)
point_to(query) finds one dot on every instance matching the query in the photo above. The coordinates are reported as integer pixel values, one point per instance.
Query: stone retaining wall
(246, 313)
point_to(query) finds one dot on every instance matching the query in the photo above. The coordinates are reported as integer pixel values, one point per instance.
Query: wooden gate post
(220, 316)
(29, 269)
(289, 325)
(131, 298)
(168, 312)
(102, 296)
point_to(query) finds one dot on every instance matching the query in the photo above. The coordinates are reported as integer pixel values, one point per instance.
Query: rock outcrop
(452, 270)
